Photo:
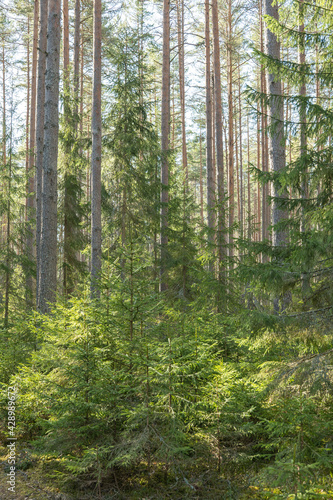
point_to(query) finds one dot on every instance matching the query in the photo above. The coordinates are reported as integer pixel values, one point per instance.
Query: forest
(166, 249)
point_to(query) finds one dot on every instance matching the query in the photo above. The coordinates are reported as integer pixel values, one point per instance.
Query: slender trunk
(27, 123)
(248, 182)
(77, 60)
(8, 236)
(40, 128)
(241, 196)
(201, 182)
(31, 166)
(4, 166)
(69, 254)
(264, 166)
(303, 145)
(48, 264)
(96, 128)
(258, 184)
(209, 140)
(165, 131)
(231, 136)
(28, 240)
(4, 131)
(181, 63)
(219, 141)
(237, 165)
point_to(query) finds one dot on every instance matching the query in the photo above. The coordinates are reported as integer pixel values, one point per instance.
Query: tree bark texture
(231, 135)
(219, 138)
(96, 154)
(211, 219)
(165, 131)
(48, 264)
(42, 41)
(31, 206)
(277, 155)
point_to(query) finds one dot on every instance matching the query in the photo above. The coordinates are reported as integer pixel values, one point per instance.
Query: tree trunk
(219, 141)
(31, 167)
(48, 264)
(231, 137)
(40, 128)
(77, 59)
(209, 140)
(277, 155)
(248, 183)
(96, 127)
(27, 121)
(264, 166)
(303, 148)
(165, 130)
(201, 181)
(69, 254)
(4, 166)
(181, 63)
(241, 195)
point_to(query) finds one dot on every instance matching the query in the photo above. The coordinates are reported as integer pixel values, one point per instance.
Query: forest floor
(39, 478)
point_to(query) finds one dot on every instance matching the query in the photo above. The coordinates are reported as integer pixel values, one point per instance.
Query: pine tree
(48, 264)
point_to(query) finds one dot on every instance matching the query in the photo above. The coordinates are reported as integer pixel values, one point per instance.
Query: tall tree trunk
(69, 255)
(241, 196)
(237, 165)
(201, 181)
(31, 167)
(96, 127)
(277, 155)
(258, 184)
(248, 182)
(209, 140)
(165, 130)
(264, 166)
(8, 236)
(181, 64)
(48, 264)
(4, 166)
(303, 148)
(219, 141)
(231, 135)
(77, 59)
(40, 128)
(27, 121)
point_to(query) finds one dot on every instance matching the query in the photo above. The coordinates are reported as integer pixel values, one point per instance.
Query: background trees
(194, 160)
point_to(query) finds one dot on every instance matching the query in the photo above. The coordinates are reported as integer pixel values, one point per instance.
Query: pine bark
(4, 166)
(77, 59)
(40, 128)
(165, 131)
(219, 140)
(48, 263)
(277, 156)
(181, 64)
(201, 181)
(96, 154)
(249, 235)
(231, 136)
(303, 138)
(31, 167)
(69, 256)
(264, 165)
(241, 181)
(211, 219)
